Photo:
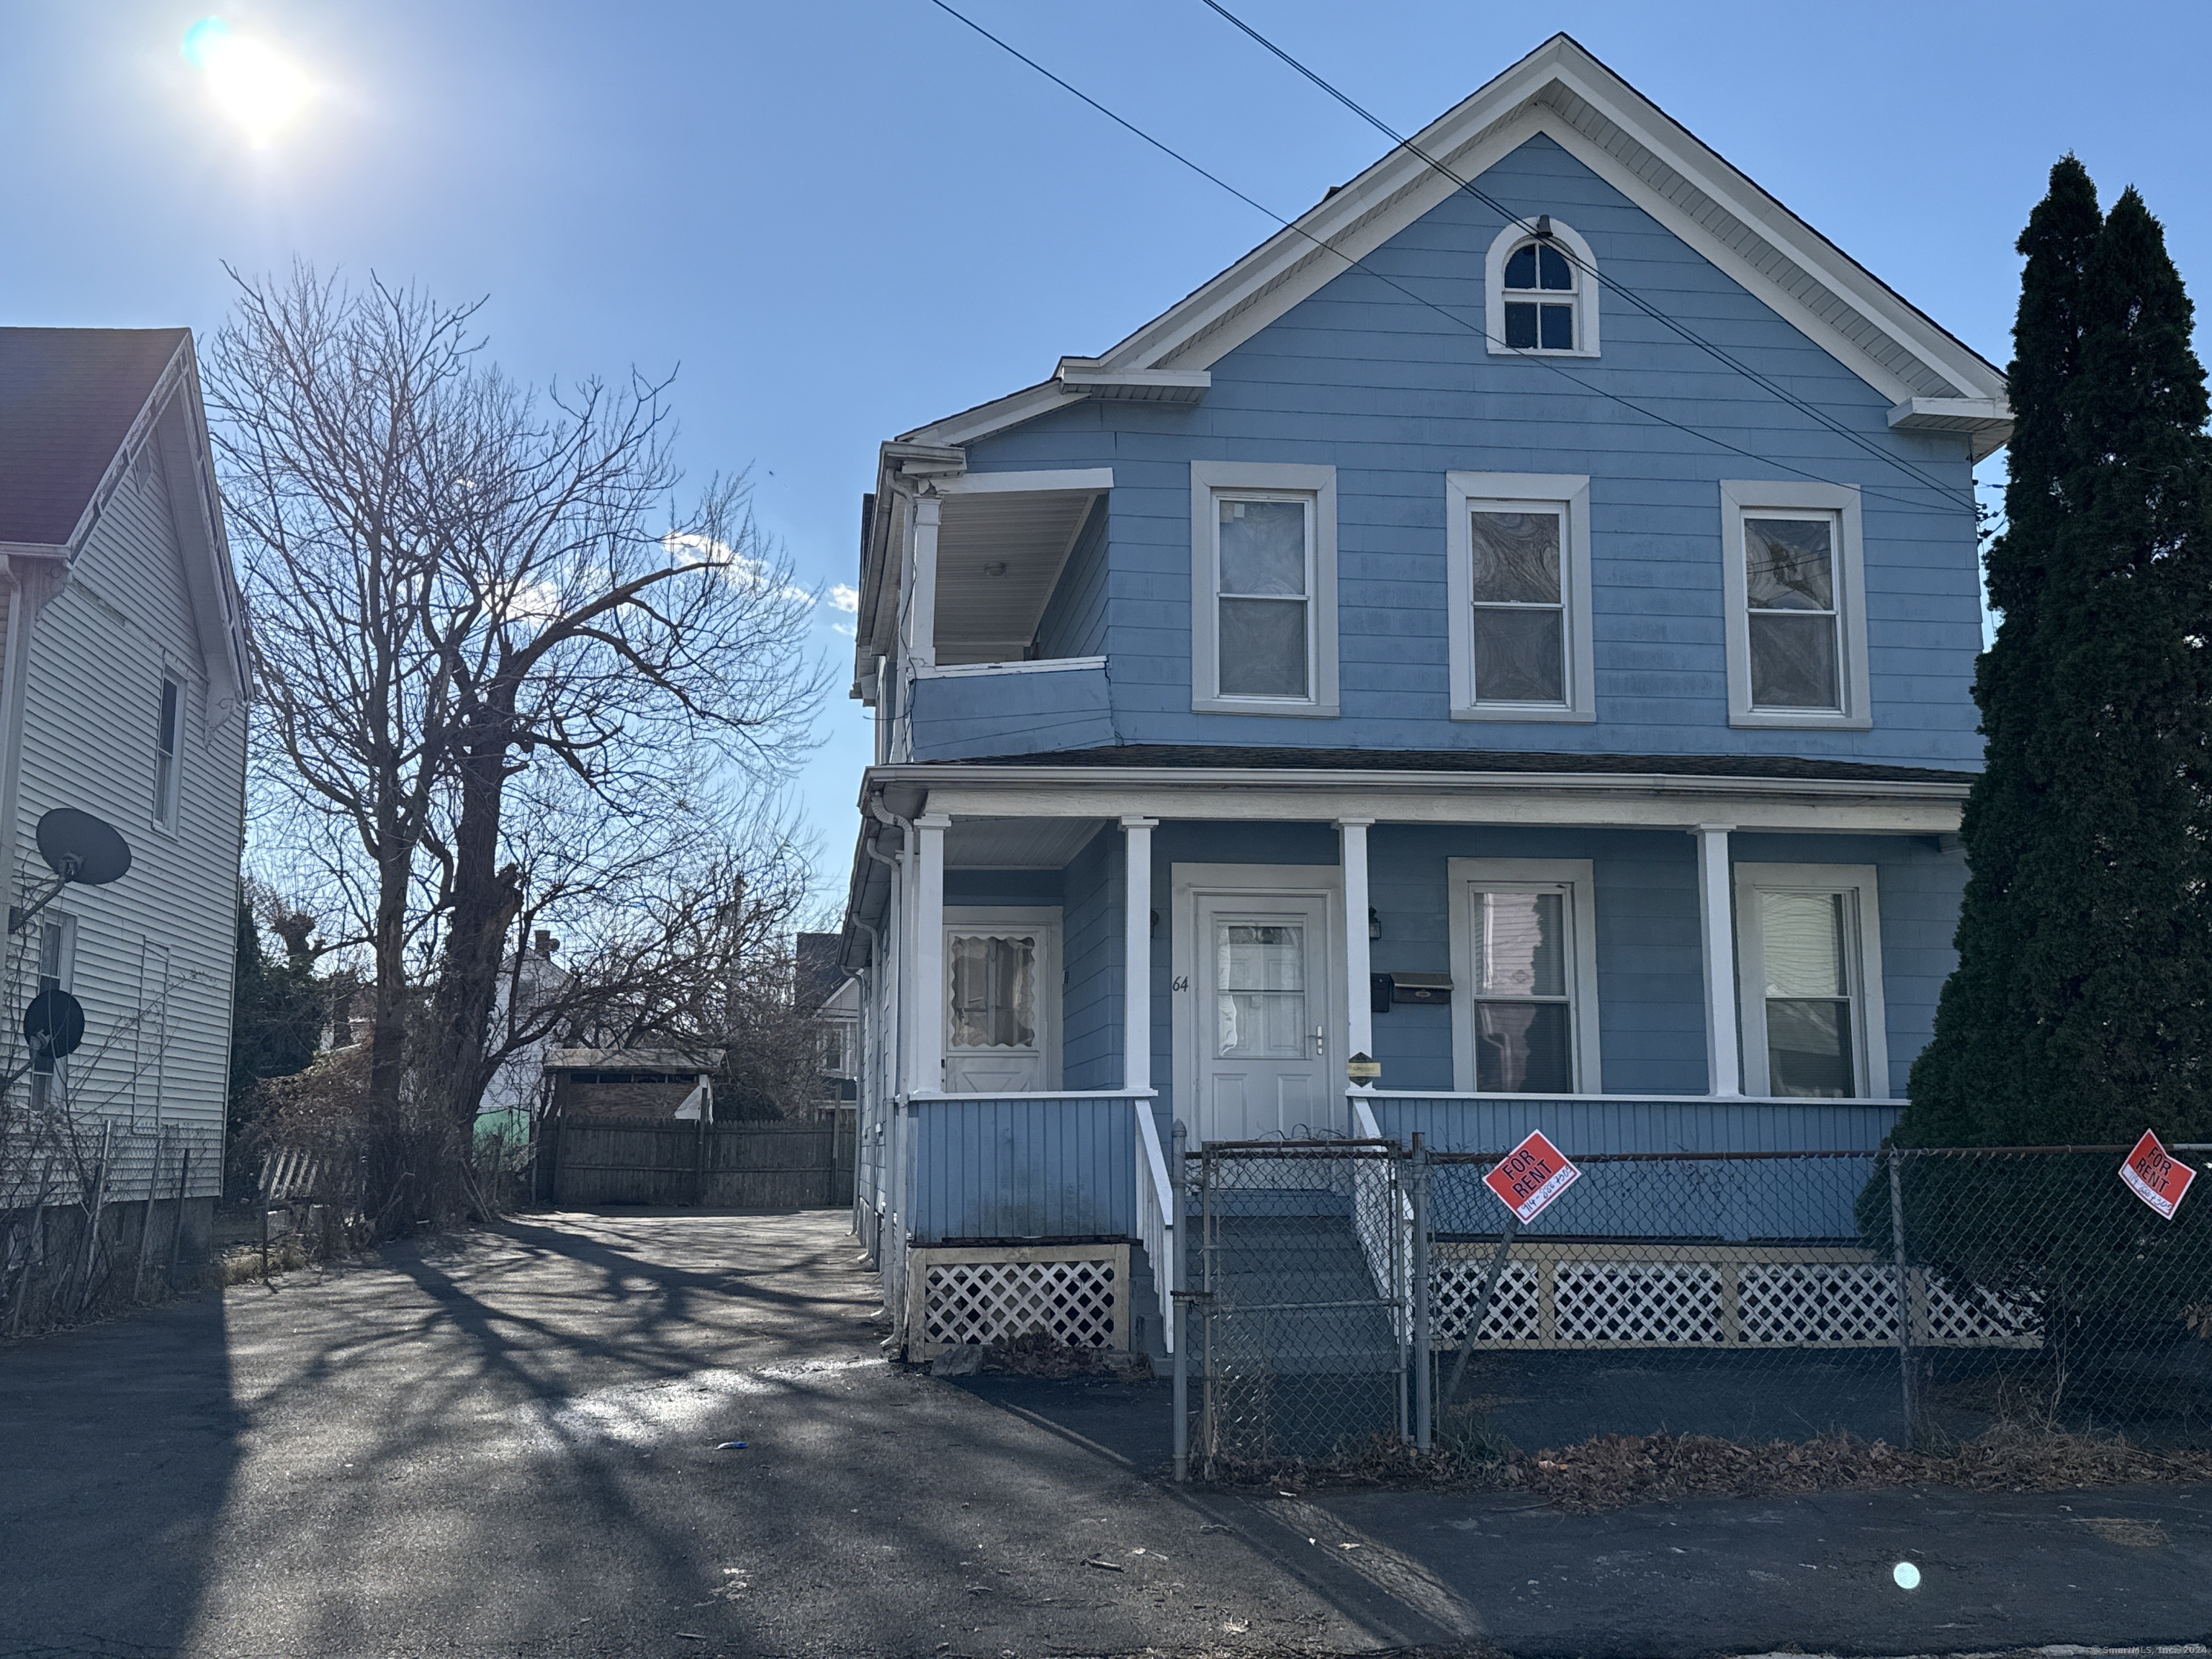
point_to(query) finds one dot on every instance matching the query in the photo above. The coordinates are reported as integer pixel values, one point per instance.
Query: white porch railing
(1156, 1215)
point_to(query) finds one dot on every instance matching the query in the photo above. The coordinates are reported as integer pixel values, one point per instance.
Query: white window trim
(1862, 959)
(1045, 921)
(1493, 292)
(1578, 877)
(1744, 498)
(1208, 478)
(1462, 490)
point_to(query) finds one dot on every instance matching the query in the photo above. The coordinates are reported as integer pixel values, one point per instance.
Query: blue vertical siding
(1363, 377)
(1024, 1169)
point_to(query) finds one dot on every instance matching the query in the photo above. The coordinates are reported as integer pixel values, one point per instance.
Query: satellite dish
(53, 1025)
(78, 847)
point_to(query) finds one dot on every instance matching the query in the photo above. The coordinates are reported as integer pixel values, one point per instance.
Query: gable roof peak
(1563, 91)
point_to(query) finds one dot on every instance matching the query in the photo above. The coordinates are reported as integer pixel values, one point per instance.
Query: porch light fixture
(1374, 923)
(996, 568)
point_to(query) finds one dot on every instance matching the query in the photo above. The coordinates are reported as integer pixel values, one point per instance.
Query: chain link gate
(1299, 1305)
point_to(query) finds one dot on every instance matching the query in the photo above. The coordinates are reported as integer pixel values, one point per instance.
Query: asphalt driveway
(506, 1444)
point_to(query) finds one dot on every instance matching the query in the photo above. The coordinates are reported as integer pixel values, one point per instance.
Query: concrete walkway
(506, 1444)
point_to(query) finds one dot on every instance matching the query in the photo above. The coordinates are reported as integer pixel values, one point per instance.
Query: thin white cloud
(845, 629)
(739, 570)
(845, 598)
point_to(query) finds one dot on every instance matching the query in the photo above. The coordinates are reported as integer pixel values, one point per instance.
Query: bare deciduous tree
(503, 681)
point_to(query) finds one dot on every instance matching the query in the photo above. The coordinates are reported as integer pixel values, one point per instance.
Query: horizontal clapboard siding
(1366, 377)
(1024, 1169)
(1497, 1123)
(90, 708)
(1024, 712)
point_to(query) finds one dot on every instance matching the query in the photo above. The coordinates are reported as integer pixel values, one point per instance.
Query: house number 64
(1182, 982)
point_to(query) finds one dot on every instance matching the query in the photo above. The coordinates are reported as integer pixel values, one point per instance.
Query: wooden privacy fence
(792, 1164)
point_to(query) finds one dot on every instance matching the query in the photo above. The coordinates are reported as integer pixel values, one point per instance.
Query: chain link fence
(1340, 1290)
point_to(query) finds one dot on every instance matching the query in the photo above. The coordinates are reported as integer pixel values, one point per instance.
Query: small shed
(617, 1085)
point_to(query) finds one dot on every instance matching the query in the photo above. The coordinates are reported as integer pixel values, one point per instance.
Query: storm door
(1001, 1002)
(1262, 1029)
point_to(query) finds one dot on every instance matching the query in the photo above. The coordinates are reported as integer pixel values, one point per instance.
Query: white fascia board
(1651, 800)
(1088, 479)
(1987, 421)
(1145, 386)
(996, 415)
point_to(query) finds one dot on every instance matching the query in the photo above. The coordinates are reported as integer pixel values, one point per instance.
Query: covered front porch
(1071, 973)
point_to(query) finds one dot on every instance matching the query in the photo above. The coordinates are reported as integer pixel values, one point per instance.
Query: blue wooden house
(1515, 624)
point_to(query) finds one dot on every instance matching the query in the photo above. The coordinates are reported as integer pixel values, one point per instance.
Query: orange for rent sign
(2153, 1176)
(1531, 1176)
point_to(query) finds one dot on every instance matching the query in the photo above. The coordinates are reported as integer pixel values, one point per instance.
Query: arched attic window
(1541, 291)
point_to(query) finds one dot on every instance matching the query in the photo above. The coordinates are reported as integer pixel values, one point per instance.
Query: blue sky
(841, 219)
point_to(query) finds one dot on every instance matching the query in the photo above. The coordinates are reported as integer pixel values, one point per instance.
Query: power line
(1626, 292)
(1656, 314)
(1552, 364)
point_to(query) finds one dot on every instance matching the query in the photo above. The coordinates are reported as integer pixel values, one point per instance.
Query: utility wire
(1550, 363)
(1626, 292)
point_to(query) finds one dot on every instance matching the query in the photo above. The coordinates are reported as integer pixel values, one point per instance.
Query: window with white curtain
(1524, 976)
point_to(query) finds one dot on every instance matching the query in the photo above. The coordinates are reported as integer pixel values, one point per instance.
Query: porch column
(1716, 925)
(921, 604)
(1359, 1013)
(1137, 956)
(926, 1007)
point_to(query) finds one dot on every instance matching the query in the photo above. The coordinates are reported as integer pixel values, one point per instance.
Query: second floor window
(1789, 591)
(168, 745)
(1519, 587)
(1263, 588)
(1796, 605)
(1263, 596)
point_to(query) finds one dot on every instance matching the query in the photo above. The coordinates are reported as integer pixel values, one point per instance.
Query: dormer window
(1540, 298)
(1541, 291)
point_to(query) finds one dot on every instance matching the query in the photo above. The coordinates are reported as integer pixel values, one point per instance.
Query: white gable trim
(1563, 92)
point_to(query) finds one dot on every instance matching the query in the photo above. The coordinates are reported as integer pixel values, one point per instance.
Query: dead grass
(1035, 1353)
(1613, 1471)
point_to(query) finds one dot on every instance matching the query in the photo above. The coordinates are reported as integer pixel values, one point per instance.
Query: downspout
(14, 674)
(901, 1203)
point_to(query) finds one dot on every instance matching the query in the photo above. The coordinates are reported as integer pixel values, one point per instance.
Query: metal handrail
(1156, 1212)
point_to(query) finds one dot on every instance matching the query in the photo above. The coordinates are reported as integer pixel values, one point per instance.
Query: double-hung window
(1793, 579)
(1263, 588)
(1809, 966)
(168, 749)
(1524, 972)
(1518, 587)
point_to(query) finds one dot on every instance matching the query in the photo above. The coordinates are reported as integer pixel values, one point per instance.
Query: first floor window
(1809, 969)
(1524, 973)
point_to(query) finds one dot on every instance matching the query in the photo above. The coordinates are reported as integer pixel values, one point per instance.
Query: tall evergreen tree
(2079, 1009)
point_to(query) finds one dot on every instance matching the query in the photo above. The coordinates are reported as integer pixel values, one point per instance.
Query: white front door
(1001, 1002)
(1263, 1027)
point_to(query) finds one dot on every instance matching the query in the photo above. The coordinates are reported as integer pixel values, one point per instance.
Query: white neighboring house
(123, 685)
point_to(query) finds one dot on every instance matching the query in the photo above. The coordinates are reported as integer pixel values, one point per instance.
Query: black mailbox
(1434, 989)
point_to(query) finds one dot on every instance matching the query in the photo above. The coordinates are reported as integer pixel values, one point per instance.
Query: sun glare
(252, 83)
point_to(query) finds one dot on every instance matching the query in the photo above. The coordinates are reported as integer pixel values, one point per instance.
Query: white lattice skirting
(1076, 1294)
(1715, 1296)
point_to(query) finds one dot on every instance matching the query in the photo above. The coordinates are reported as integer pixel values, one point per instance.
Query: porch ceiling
(1026, 534)
(1016, 843)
